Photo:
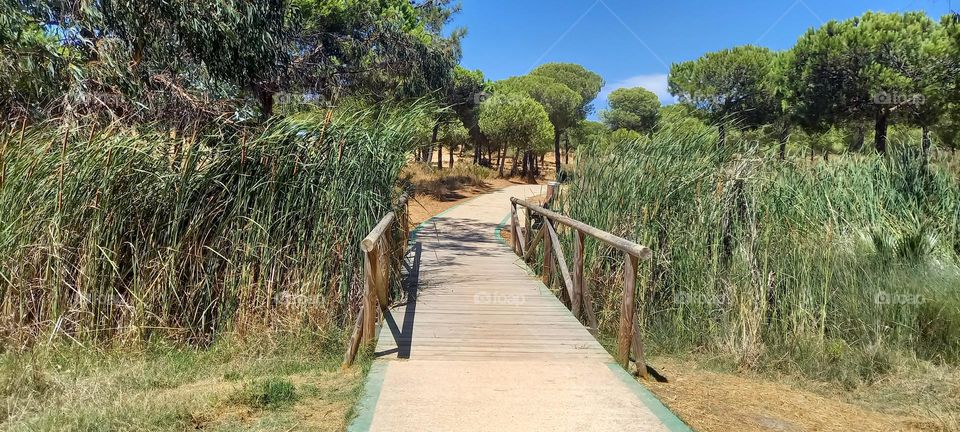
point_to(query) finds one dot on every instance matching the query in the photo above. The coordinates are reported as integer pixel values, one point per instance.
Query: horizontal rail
(629, 337)
(619, 243)
(370, 241)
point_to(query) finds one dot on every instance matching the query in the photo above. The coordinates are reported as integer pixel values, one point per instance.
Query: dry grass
(166, 389)
(435, 190)
(709, 400)
(445, 184)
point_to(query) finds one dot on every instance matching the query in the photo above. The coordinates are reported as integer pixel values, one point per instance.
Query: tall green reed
(113, 235)
(754, 256)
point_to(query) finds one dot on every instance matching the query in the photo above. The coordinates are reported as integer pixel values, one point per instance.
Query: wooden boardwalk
(482, 344)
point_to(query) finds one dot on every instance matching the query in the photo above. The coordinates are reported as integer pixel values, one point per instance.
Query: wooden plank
(619, 243)
(627, 309)
(564, 271)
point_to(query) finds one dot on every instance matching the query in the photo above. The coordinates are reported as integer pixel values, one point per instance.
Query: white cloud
(656, 83)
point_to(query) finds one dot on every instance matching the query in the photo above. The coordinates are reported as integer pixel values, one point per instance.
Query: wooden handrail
(370, 241)
(580, 299)
(378, 266)
(619, 243)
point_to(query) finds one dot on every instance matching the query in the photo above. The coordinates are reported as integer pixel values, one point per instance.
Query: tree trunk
(433, 141)
(513, 168)
(477, 138)
(527, 164)
(500, 161)
(880, 141)
(523, 163)
(451, 155)
(440, 156)
(566, 148)
(861, 137)
(266, 98)
(556, 148)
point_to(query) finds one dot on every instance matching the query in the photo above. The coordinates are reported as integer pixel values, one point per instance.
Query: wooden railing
(383, 252)
(577, 292)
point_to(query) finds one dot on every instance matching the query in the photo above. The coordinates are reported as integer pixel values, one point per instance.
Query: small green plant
(269, 393)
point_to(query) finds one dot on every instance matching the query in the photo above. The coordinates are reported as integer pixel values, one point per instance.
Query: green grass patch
(267, 393)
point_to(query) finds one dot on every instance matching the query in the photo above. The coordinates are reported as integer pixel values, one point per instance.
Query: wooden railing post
(515, 240)
(547, 255)
(630, 338)
(528, 240)
(354, 345)
(638, 356)
(404, 226)
(627, 309)
(383, 275)
(562, 266)
(380, 255)
(370, 264)
(580, 288)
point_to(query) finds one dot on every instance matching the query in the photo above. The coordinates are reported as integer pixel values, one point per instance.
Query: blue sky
(633, 43)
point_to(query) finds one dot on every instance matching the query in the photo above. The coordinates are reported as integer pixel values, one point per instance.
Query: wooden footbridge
(480, 343)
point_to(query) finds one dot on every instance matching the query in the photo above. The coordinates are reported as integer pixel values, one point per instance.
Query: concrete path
(483, 345)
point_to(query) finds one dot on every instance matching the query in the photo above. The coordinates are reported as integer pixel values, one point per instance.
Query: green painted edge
(667, 417)
(497, 232)
(371, 395)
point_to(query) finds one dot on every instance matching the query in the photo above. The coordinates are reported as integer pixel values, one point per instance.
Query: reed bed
(772, 262)
(129, 234)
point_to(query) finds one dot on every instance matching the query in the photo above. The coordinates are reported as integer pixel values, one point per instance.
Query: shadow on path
(411, 286)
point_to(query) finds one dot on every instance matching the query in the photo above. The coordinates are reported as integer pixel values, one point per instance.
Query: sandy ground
(423, 207)
(711, 401)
